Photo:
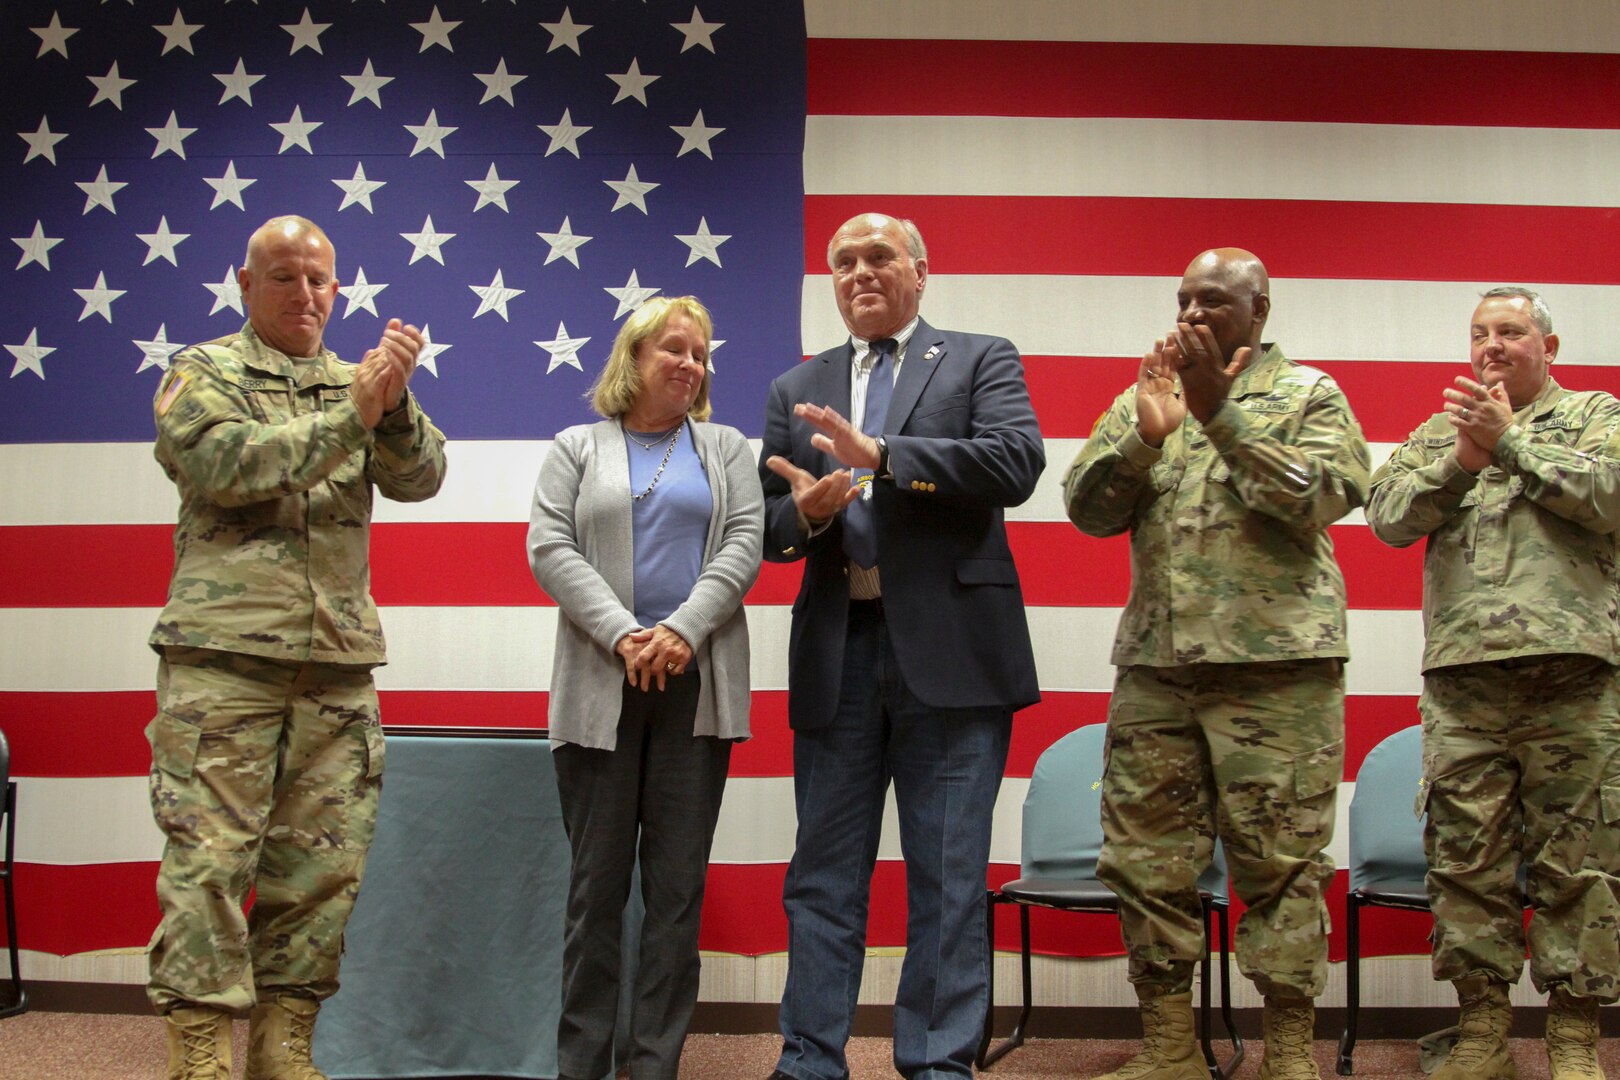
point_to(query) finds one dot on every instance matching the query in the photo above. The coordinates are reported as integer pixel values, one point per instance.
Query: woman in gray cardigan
(646, 530)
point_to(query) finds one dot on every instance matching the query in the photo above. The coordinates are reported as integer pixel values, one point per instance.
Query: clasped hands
(1479, 414)
(380, 381)
(1183, 373)
(651, 655)
(819, 499)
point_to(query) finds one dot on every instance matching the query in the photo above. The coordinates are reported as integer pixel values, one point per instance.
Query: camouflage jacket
(1230, 556)
(1521, 557)
(275, 470)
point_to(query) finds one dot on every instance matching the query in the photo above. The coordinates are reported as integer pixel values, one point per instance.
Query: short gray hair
(914, 239)
(1540, 314)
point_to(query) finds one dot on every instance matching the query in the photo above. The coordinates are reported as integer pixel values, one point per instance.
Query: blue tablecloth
(454, 952)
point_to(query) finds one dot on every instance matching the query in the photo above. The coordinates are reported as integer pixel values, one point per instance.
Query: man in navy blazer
(888, 462)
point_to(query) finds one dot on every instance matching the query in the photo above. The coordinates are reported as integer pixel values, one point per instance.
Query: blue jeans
(946, 765)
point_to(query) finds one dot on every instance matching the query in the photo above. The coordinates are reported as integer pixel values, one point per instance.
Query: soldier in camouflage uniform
(267, 755)
(1226, 462)
(1516, 485)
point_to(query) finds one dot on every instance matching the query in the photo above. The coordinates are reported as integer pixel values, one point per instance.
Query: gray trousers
(655, 796)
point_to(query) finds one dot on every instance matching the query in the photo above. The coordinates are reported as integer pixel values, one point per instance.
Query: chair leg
(989, 1055)
(1203, 997)
(8, 808)
(1230, 1066)
(1352, 982)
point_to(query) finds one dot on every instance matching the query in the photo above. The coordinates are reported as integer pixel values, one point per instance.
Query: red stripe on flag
(85, 565)
(1368, 720)
(1390, 400)
(453, 564)
(407, 561)
(435, 564)
(64, 910)
(1070, 393)
(79, 734)
(509, 709)
(1047, 552)
(1297, 238)
(742, 913)
(103, 734)
(75, 909)
(1299, 83)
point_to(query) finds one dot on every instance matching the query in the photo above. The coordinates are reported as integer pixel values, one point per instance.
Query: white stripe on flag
(1313, 318)
(488, 481)
(1556, 25)
(1213, 159)
(83, 821)
(510, 648)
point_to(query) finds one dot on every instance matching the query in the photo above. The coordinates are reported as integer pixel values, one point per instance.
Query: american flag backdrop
(515, 176)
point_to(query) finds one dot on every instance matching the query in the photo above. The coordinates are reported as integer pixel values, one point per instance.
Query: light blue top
(581, 550)
(671, 524)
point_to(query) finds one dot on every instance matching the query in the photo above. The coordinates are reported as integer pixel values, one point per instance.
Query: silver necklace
(660, 437)
(674, 437)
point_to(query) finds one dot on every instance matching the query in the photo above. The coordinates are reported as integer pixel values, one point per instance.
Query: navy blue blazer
(963, 444)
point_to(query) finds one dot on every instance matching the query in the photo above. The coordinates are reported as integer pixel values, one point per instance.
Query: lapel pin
(933, 351)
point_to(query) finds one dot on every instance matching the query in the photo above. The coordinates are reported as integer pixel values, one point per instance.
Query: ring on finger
(670, 666)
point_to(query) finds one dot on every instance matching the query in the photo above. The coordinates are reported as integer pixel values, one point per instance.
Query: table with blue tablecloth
(454, 952)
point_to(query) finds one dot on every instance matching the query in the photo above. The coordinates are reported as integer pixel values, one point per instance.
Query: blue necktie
(860, 528)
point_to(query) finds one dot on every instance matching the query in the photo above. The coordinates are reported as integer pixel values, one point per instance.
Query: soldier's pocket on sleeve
(174, 744)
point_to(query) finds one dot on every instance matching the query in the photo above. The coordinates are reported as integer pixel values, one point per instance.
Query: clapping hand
(379, 383)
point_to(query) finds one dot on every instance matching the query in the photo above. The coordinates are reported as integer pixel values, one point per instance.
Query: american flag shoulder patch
(176, 386)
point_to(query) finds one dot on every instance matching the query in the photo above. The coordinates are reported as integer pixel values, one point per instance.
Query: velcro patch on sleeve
(177, 386)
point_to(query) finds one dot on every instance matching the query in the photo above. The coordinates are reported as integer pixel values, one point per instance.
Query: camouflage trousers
(1521, 764)
(265, 777)
(1252, 753)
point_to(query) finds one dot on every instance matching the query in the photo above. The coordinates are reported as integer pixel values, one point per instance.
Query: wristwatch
(882, 471)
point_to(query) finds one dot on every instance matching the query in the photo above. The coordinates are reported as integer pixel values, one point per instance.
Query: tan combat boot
(1481, 1052)
(280, 1031)
(1290, 1027)
(199, 1043)
(1572, 1036)
(1169, 1048)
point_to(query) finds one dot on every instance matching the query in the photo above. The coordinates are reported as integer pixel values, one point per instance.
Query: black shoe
(778, 1074)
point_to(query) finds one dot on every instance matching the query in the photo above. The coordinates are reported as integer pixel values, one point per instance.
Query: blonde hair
(615, 390)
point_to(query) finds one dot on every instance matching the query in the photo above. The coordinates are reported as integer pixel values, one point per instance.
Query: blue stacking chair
(1387, 862)
(1062, 835)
